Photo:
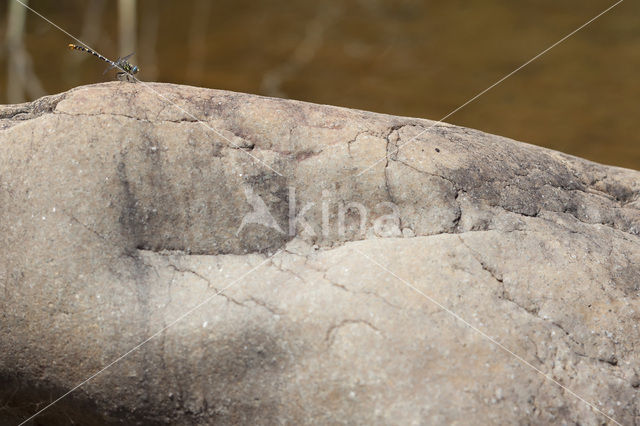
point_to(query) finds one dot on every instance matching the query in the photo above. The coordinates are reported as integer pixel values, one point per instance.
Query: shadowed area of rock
(318, 246)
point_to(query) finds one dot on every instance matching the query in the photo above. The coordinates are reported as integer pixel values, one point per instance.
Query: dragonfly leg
(125, 76)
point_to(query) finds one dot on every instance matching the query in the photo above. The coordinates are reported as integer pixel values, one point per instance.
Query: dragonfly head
(135, 69)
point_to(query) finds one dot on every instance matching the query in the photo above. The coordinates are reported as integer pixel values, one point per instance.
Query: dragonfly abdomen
(84, 49)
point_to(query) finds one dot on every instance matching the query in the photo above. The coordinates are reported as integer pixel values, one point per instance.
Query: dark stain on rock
(22, 397)
(274, 192)
(171, 204)
(128, 219)
(235, 381)
(621, 193)
(301, 156)
(627, 279)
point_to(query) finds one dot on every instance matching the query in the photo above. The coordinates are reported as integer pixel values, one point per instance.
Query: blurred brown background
(402, 57)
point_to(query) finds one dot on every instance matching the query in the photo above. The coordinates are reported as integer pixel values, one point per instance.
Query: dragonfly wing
(113, 65)
(118, 62)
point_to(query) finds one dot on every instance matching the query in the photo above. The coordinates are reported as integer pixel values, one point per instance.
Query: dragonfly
(126, 70)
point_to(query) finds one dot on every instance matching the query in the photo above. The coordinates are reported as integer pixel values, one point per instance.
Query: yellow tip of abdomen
(71, 46)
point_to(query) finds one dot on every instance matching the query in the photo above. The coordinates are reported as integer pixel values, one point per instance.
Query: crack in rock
(330, 334)
(496, 275)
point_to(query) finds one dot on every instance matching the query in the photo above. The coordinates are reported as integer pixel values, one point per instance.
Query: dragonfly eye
(135, 69)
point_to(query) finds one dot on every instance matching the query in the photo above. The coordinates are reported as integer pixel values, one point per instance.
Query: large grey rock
(491, 282)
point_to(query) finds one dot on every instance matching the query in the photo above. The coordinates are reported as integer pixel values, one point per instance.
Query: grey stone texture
(435, 274)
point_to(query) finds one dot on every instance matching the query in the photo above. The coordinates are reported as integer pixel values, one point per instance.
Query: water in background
(402, 57)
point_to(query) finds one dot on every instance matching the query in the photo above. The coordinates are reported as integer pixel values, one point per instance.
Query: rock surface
(491, 281)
